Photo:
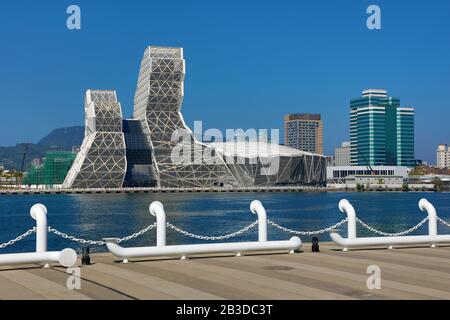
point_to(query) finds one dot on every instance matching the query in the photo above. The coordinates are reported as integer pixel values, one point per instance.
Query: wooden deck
(413, 273)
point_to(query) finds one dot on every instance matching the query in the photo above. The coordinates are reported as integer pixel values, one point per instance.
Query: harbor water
(97, 216)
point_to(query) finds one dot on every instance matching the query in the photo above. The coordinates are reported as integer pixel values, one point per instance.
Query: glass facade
(139, 156)
(381, 132)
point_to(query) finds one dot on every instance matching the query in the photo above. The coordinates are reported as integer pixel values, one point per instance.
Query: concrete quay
(406, 273)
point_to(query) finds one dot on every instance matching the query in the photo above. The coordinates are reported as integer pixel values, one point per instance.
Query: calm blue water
(117, 215)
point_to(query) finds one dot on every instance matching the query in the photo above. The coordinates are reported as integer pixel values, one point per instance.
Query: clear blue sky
(248, 62)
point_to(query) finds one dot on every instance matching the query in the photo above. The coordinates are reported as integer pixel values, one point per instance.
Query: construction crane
(23, 164)
(368, 166)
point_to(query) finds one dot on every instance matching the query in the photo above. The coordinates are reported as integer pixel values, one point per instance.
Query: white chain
(21, 237)
(99, 243)
(228, 236)
(307, 233)
(137, 234)
(403, 233)
(211, 238)
(443, 222)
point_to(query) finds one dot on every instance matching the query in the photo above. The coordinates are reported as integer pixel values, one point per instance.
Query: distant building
(304, 132)
(341, 173)
(146, 152)
(443, 157)
(342, 155)
(52, 171)
(381, 132)
(330, 161)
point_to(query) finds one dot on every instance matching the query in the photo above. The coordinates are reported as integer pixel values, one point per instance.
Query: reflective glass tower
(381, 132)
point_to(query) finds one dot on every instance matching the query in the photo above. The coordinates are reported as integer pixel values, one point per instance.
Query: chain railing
(397, 234)
(100, 242)
(213, 238)
(19, 238)
(443, 222)
(222, 237)
(307, 233)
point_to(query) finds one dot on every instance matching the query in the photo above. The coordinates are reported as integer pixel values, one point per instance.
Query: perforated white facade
(157, 103)
(101, 162)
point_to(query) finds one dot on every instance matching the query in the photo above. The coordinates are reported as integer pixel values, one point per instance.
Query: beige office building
(304, 131)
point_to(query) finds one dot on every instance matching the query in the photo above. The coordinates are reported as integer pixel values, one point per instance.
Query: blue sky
(248, 62)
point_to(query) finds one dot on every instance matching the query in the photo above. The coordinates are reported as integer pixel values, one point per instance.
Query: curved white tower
(157, 104)
(101, 162)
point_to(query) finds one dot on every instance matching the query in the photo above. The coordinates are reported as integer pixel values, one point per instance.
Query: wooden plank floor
(407, 273)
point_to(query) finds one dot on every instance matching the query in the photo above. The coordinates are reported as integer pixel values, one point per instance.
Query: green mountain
(62, 139)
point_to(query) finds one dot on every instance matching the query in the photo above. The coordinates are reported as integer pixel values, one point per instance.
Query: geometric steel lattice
(250, 163)
(157, 104)
(101, 162)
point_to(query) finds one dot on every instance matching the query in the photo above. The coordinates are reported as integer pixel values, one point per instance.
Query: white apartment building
(443, 156)
(342, 155)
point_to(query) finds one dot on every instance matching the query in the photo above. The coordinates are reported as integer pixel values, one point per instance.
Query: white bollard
(425, 205)
(346, 207)
(157, 210)
(39, 213)
(257, 208)
(66, 257)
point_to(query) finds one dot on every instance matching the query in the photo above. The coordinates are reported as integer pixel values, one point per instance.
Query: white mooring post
(66, 257)
(184, 251)
(426, 206)
(390, 239)
(157, 210)
(39, 213)
(257, 208)
(346, 207)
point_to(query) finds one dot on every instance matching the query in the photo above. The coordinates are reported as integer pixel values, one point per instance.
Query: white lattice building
(101, 162)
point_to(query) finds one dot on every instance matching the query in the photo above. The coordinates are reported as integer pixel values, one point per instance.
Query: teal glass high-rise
(381, 132)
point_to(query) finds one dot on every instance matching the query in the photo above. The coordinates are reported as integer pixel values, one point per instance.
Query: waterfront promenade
(285, 189)
(408, 273)
(157, 190)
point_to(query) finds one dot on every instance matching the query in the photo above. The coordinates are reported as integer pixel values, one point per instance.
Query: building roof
(303, 116)
(255, 149)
